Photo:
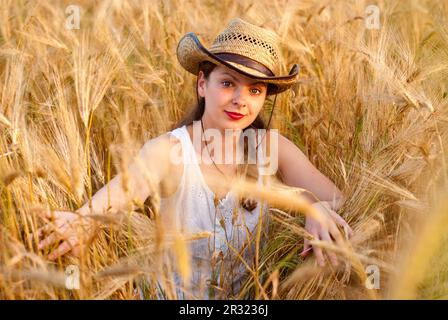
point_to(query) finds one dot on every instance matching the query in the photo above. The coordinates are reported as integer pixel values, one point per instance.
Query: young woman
(234, 77)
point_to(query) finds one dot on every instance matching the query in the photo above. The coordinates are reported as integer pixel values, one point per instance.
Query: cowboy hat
(243, 47)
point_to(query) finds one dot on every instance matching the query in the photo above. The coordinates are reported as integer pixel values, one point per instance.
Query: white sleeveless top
(194, 211)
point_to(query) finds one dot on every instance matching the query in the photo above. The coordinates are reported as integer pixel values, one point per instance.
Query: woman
(234, 77)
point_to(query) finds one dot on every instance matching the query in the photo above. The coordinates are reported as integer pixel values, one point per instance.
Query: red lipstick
(234, 115)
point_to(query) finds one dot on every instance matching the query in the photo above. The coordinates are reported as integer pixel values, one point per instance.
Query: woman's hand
(70, 227)
(325, 229)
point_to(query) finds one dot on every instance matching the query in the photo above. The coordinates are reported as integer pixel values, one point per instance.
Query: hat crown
(253, 42)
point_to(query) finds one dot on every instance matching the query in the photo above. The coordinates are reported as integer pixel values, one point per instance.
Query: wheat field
(370, 112)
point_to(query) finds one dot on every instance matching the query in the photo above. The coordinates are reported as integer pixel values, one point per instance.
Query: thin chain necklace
(247, 205)
(206, 145)
(215, 201)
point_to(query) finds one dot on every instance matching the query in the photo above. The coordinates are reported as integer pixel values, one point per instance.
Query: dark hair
(196, 113)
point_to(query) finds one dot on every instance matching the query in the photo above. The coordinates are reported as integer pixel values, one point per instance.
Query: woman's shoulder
(167, 139)
(161, 150)
(165, 153)
(170, 140)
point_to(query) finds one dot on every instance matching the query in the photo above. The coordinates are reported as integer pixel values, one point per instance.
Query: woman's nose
(239, 98)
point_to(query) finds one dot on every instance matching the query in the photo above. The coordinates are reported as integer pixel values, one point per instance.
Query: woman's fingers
(76, 251)
(318, 252)
(65, 225)
(306, 248)
(327, 230)
(58, 227)
(43, 230)
(349, 230)
(53, 223)
(52, 238)
(49, 214)
(340, 221)
(334, 260)
(61, 250)
(319, 256)
(336, 234)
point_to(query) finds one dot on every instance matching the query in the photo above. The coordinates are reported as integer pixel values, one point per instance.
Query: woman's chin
(236, 124)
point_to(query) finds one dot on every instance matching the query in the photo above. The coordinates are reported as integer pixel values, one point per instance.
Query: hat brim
(190, 52)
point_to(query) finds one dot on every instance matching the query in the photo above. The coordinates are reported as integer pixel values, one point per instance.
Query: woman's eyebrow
(225, 73)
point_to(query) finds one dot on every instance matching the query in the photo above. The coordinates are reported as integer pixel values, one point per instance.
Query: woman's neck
(209, 139)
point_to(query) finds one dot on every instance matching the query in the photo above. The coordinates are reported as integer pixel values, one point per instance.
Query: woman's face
(227, 92)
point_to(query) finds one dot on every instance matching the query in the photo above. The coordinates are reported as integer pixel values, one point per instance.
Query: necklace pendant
(215, 200)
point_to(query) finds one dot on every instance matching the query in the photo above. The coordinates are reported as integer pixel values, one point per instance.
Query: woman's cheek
(252, 116)
(224, 94)
(256, 111)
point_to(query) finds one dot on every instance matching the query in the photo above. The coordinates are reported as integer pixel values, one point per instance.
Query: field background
(370, 112)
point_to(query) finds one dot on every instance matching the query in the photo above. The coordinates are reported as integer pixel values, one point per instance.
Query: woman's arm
(146, 171)
(297, 171)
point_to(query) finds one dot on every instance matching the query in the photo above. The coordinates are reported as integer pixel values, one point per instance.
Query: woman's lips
(234, 115)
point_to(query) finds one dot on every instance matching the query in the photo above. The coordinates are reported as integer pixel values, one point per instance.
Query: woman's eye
(227, 84)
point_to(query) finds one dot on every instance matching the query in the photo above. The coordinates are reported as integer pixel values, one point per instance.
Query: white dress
(193, 209)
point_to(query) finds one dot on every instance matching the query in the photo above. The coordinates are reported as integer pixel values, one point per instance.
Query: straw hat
(248, 49)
